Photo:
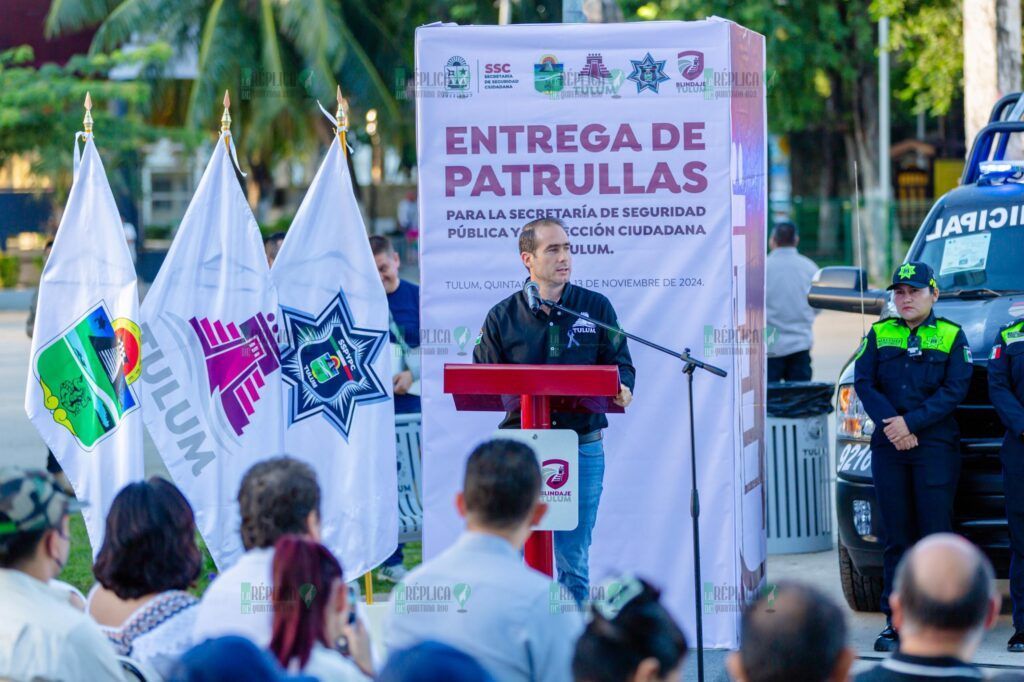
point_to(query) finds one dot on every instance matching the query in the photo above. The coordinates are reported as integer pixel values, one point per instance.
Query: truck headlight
(852, 420)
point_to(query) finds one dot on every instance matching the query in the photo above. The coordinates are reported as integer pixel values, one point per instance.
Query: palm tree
(285, 52)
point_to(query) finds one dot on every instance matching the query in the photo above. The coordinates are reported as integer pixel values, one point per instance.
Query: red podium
(538, 390)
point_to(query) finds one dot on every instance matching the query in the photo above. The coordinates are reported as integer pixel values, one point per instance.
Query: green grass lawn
(78, 571)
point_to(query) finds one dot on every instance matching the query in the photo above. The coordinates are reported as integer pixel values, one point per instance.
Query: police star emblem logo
(328, 365)
(907, 271)
(648, 73)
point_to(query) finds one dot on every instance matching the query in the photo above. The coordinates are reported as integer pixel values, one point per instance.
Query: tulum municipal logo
(86, 375)
(328, 365)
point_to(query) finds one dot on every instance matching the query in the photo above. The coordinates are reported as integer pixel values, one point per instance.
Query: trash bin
(799, 492)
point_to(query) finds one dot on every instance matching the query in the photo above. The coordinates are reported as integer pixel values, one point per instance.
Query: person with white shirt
(789, 318)
(478, 595)
(277, 496)
(42, 636)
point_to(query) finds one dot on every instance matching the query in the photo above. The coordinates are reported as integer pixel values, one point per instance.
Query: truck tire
(862, 592)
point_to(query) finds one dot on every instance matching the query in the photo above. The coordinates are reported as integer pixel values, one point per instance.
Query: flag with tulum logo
(82, 393)
(336, 368)
(211, 386)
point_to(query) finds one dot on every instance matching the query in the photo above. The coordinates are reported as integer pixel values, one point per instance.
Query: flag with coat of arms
(336, 368)
(83, 390)
(211, 389)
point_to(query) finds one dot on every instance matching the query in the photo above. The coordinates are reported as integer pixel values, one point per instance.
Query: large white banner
(211, 381)
(647, 139)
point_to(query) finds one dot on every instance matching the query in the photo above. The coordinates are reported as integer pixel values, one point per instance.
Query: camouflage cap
(31, 500)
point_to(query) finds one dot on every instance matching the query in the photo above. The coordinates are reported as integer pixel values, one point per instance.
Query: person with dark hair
(478, 596)
(514, 333)
(789, 318)
(404, 324)
(231, 659)
(42, 636)
(433, 662)
(311, 614)
(911, 373)
(793, 632)
(272, 246)
(148, 560)
(631, 637)
(278, 496)
(943, 601)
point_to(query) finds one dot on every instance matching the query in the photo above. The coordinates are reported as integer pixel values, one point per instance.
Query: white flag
(211, 385)
(82, 393)
(336, 368)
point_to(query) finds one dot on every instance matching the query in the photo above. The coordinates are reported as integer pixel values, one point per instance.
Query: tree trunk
(992, 60)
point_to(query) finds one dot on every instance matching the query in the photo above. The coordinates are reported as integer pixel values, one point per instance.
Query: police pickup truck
(973, 238)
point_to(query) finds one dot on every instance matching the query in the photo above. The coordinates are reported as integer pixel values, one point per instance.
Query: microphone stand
(689, 365)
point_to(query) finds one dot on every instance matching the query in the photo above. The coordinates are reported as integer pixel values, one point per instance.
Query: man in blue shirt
(478, 596)
(404, 306)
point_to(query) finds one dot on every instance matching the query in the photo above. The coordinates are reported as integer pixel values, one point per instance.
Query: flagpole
(342, 130)
(87, 121)
(225, 120)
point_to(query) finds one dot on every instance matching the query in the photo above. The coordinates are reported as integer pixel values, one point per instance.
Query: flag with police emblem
(82, 394)
(336, 368)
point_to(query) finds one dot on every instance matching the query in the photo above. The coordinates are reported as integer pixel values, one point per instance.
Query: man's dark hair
(149, 545)
(275, 237)
(962, 614)
(380, 244)
(792, 633)
(611, 650)
(528, 237)
(275, 498)
(19, 547)
(785, 234)
(502, 483)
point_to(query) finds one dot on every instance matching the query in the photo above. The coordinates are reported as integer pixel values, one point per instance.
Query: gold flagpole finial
(225, 120)
(342, 129)
(87, 121)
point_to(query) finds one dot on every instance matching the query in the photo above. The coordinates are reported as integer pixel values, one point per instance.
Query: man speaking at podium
(515, 334)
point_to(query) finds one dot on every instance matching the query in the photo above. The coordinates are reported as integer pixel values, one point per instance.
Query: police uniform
(514, 334)
(922, 375)
(1006, 390)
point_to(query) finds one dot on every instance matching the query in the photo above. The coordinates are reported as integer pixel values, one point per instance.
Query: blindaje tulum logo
(556, 472)
(86, 375)
(238, 360)
(328, 364)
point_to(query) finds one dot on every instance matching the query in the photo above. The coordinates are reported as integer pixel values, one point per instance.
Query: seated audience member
(42, 636)
(500, 611)
(311, 613)
(272, 246)
(944, 599)
(230, 659)
(792, 633)
(631, 637)
(277, 496)
(148, 560)
(433, 662)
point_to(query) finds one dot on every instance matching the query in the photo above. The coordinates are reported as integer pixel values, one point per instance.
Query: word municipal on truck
(977, 221)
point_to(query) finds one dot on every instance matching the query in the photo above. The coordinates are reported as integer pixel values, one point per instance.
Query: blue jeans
(572, 547)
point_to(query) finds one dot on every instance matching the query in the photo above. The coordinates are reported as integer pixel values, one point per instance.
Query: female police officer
(1006, 390)
(910, 373)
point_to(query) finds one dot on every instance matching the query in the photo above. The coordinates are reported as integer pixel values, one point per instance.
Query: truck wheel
(862, 592)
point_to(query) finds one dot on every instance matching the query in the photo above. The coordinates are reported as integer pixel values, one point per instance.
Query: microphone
(532, 293)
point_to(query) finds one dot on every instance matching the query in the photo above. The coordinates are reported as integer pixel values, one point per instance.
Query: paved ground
(836, 335)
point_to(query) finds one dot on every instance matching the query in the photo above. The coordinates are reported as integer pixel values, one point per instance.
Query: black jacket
(513, 334)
